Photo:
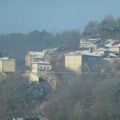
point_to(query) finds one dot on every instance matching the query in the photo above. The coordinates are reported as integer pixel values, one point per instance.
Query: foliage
(90, 97)
(109, 27)
(19, 98)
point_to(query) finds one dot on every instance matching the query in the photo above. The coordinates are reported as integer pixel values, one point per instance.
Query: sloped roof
(113, 44)
(36, 53)
(84, 52)
(94, 40)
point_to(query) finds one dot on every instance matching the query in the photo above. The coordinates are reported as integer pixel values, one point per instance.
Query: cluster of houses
(91, 54)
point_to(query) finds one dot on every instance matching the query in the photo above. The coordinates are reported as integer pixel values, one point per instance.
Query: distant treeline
(109, 27)
(18, 43)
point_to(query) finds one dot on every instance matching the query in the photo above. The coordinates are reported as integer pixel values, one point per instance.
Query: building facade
(7, 65)
(40, 70)
(79, 63)
(32, 57)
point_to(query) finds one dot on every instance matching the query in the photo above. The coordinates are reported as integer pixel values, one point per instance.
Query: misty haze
(59, 60)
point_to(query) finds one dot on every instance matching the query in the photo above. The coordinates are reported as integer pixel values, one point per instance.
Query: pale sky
(53, 15)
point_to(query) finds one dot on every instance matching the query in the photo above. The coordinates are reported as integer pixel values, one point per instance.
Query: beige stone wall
(73, 62)
(7, 65)
(33, 77)
(28, 60)
(34, 69)
(115, 49)
(0, 66)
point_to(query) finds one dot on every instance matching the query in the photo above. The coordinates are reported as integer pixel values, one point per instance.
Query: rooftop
(84, 52)
(6, 58)
(113, 44)
(41, 62)
(36, 53)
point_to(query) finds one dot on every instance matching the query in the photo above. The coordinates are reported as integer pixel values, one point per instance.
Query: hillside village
(44, 63)
(93, 56)
(90, 54)
(59, 60)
